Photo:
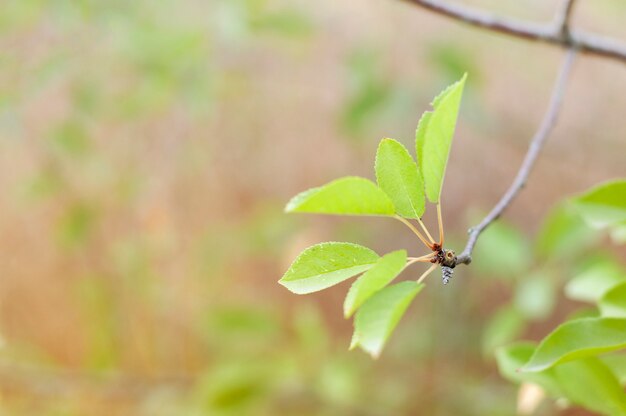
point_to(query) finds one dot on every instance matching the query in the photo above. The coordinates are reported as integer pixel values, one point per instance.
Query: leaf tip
(291, 288)
(353, 344)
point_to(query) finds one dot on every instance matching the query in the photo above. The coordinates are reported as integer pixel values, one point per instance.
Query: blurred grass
(146, 151)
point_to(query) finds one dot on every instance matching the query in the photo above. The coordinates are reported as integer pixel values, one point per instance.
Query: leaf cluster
(403, 184)
(580, 360)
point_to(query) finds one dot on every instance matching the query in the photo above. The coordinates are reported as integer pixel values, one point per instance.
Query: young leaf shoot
(401, 192)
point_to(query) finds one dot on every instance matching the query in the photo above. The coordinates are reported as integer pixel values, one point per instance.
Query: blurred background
(147, 150)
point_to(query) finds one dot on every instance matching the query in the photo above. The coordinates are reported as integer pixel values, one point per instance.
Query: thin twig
(556, 33)
(537, 142)
(564, 17)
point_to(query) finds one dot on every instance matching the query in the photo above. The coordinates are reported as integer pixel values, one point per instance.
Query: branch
(556, 33)
(562, 19)
(537, 142)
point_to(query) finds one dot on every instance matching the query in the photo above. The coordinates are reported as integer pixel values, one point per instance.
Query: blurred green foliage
(134, 282)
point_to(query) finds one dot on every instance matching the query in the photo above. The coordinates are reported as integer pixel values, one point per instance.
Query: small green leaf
(376, 278)
(433, 138)
(377, 318)
(578, 339)
(398, 175)
(613, 303)
(326, 264)
(346, 196)
(595, 280)
(603, 205)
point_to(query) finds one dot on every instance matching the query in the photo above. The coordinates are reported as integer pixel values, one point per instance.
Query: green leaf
(563, 234)
(591, 384)
(594, 281)
(512, 357)
(326, 264)
(613, 303)
(617, 364)
(346, 196)
(603, 205)
(433, 138)
(578, 339)
(587, 382)
(377, 318)
(398, 175)
(376, 278)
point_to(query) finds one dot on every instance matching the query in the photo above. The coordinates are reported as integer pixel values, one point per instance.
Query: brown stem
(555, 33)
(537, 142)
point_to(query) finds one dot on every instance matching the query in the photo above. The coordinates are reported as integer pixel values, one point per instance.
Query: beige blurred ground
(146, 152)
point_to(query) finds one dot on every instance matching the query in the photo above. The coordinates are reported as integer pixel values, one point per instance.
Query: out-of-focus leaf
(310, 329)
(377, 318)
(505, 326)
(617, 364)
(433, 138)
(380, 275)
(535, 295)
(578, 339)
(76, 225)
(237, 323)
(326, 264)
(338, 382)
(453, 61)
(234, 387)
(613, 303)
(591, 384)
(44, 184)
(595, 280)
(287, 22)
(398, 175)
(71, 138)
(603, 205)
(587, 382)
(364, 104)
(346, 196)
(512, 357)
(370, 93)
(563, 233)
(502, 252)
(98, 308)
